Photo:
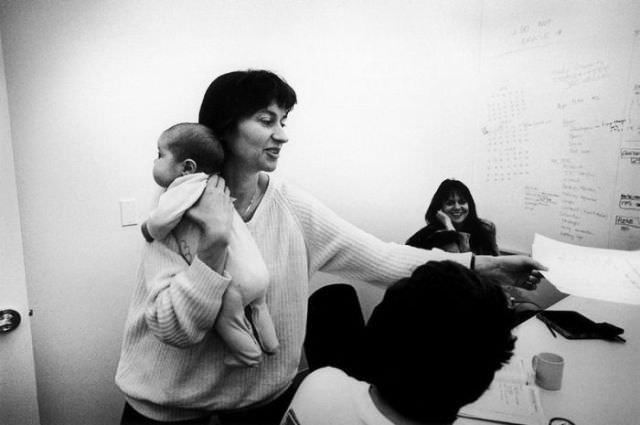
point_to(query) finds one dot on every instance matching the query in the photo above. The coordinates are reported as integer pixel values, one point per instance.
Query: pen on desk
(551, 330)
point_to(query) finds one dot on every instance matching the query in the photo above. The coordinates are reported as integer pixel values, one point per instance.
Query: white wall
(385, 112)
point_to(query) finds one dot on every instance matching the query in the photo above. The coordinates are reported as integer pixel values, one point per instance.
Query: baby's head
(186, 148)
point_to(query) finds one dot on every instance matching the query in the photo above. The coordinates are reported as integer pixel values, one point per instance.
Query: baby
(188, 154)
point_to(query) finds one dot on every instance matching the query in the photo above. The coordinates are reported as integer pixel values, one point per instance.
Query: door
(18, 400)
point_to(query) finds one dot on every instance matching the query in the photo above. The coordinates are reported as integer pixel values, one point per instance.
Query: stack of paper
(511, 398)
(605, 274)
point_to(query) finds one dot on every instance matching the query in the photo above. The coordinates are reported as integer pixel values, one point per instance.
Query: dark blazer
(434, 235)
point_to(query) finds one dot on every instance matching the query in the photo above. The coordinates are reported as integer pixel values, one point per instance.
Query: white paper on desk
(511, 397)
(517, 371)
(507, 402)
(605, 274)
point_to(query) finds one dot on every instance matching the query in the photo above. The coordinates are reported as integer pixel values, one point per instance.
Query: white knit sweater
(171, 366)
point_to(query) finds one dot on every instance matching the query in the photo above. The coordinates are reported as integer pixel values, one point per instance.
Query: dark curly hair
(436, 340)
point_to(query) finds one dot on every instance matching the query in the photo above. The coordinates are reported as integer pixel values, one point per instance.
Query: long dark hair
(480, 238)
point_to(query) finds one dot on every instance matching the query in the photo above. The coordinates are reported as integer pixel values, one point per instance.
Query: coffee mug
(548, 370)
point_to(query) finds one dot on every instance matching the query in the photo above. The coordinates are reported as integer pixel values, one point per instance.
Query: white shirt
(330, 396)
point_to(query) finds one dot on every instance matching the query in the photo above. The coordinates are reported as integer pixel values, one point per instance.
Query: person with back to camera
(297, 236)
(433, 345)
(188, 154)
(453, 223)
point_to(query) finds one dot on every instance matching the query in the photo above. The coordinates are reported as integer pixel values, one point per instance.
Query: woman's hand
(516, 270)
(445, 220)
(213, 213)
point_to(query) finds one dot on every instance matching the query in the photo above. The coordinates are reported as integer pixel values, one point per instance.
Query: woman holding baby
(297, 235)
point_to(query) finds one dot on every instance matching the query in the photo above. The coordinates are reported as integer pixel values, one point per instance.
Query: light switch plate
(128, 212)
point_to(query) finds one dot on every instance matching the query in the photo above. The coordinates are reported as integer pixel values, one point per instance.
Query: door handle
(9, 320)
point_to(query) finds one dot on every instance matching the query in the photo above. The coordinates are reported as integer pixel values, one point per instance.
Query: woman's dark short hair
(435, 341)
(444, 191)
(239, 94)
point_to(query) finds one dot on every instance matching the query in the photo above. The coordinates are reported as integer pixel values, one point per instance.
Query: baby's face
(165, 168)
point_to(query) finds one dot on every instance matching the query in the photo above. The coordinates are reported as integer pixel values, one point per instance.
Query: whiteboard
(558, 151)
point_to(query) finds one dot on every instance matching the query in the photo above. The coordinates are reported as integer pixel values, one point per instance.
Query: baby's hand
(445, 220)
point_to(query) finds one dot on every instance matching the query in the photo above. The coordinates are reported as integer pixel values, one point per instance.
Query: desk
(601, 383)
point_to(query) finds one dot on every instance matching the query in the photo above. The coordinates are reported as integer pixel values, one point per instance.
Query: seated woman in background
(453, 223)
